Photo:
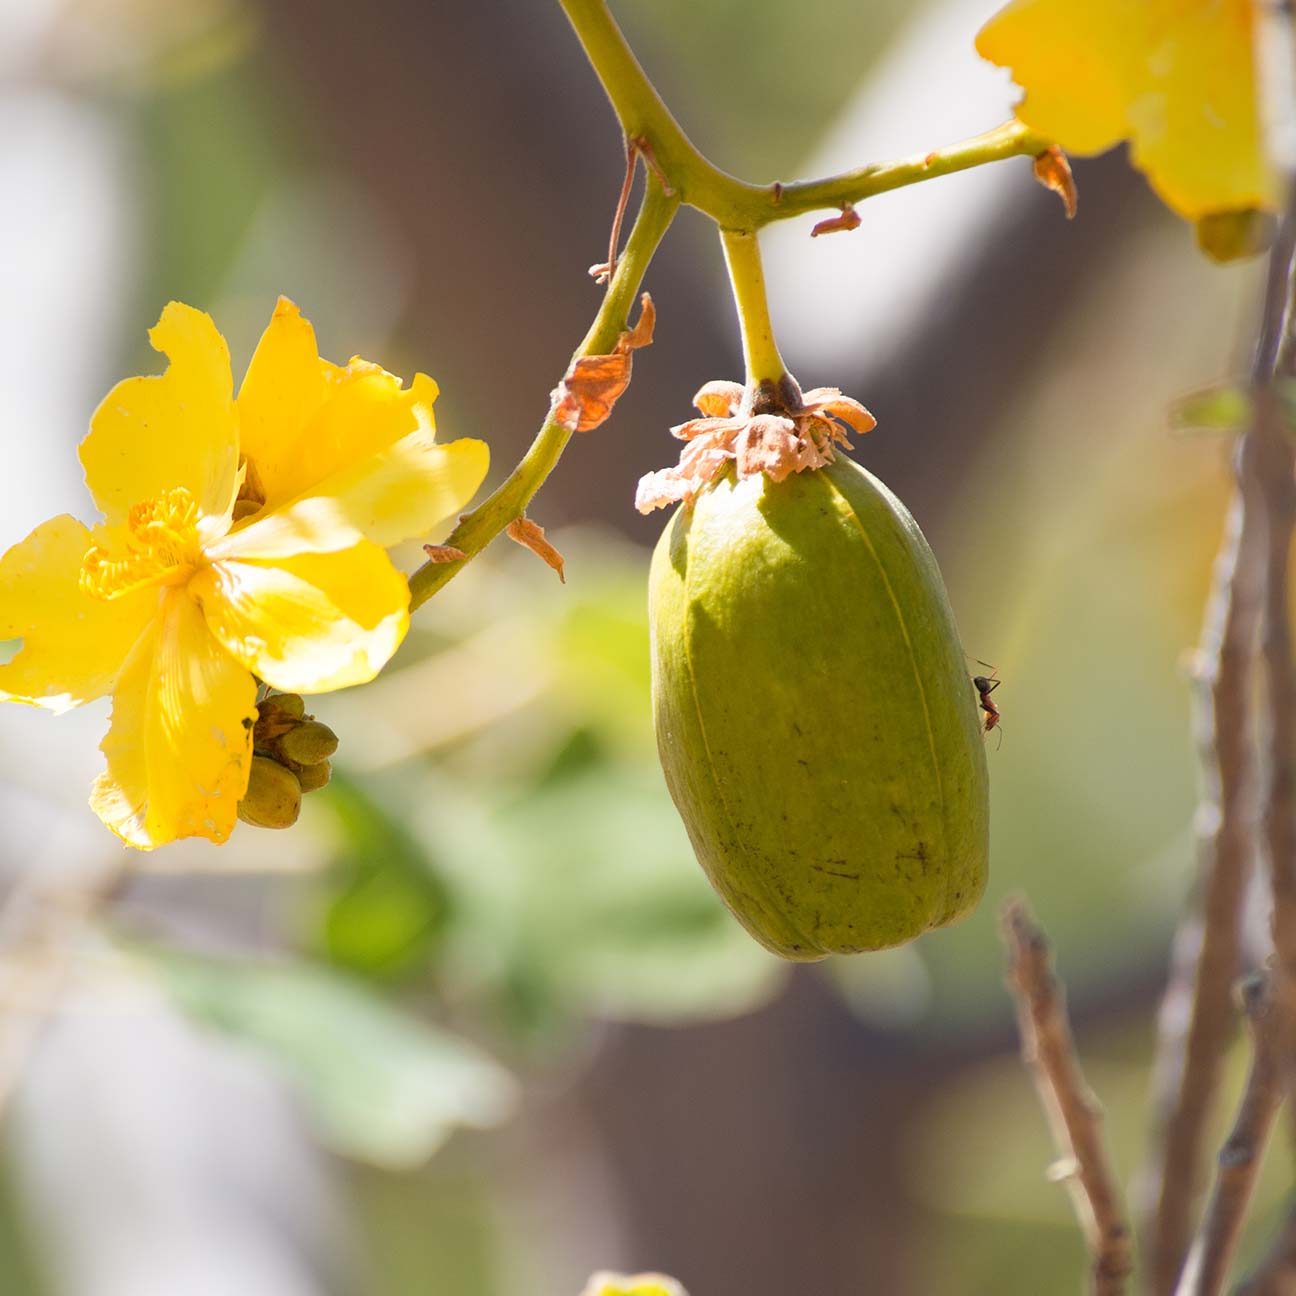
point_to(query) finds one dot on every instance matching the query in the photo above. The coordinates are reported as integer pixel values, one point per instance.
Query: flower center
(161, 548)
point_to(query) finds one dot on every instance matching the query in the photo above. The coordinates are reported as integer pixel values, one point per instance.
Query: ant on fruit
(985, 685)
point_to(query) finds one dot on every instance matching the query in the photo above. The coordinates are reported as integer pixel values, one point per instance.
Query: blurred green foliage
(382, 1086)
(385, 906)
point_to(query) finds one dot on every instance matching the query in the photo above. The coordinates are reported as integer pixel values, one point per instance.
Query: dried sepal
(776, 444)
(717, 399)
(1053, 171)
(593, 384)
(531, 535)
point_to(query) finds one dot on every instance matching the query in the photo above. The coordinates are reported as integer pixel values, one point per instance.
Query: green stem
(1012, 139)
(478, 528)
(747, 275)
(735, 204)
(639, 108)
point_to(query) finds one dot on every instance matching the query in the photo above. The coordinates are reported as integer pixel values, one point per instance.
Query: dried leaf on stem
(530, 535)
(1074, 1115)
(584, 398)
(444, 553)
(848, 220)
(1053, 171)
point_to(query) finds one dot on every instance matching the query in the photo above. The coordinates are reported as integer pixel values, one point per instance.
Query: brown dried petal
(851, 412)
(718, 399)
(531, 535)
(768, 444)
(773, 444)
(707, 427)
(700, 462)
(1053, 171)
(593, 384)
(659, 489)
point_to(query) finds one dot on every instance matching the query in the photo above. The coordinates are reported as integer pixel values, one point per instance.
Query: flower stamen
(161, 547)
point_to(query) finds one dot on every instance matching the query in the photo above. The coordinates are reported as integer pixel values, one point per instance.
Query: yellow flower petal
(395, 495)
(73, 644)
(308, 624)
(1174, 77)
(1078, 63)
(365, 410)
(1195, 129)
(180, 746)
(282, 392)
(151, 435)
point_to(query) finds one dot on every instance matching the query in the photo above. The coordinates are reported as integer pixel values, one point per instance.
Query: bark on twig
(1252, 593)
(1274, 465)
(1208, 1262)
(1275, 1275)
(1073, 1113)
(1269, 460)
(1196, 1021)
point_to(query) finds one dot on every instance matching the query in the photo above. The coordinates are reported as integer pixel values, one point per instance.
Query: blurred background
(477, 1026)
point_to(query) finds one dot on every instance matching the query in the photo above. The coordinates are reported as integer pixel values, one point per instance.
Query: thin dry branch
(1269, 461)
(1196, 1021)
(1208, 1262)
(1274, 463)
(1074, 1114)
(1252, 584)
(1275, 1275)
(1251, 592)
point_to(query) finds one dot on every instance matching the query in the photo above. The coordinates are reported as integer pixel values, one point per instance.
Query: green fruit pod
(815, 718)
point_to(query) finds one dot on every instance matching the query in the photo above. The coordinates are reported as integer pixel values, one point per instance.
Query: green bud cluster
(291, 752)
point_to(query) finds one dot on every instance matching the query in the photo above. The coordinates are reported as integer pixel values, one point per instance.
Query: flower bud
(308, 743)
(290, 704)
(277, 714)
(314, 777)
(273, 797)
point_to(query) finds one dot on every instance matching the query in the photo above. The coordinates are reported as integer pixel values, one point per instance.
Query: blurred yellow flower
(1174, 77)
(242, 537)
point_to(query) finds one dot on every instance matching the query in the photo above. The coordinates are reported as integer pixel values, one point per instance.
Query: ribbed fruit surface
(815, 718)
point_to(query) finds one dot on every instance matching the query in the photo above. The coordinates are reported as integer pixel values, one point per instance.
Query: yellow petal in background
(281, 393)
(1174, 77)
(396, 495)
(1077, 62)
(180, 746)
(1195, 129)
(308, 624)
(73, 645)
(151, 435)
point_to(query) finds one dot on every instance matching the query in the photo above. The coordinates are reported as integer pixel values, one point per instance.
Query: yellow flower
(242, 537)
(1174, 77)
